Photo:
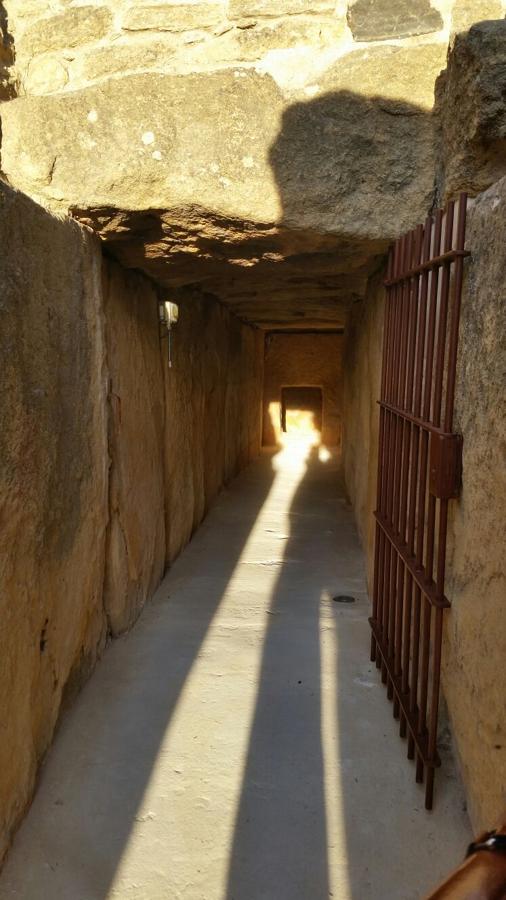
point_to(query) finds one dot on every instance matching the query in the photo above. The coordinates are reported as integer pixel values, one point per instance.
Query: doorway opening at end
(302, 412)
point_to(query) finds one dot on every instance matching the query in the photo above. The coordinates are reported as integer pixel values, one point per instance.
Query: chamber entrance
(301, 410)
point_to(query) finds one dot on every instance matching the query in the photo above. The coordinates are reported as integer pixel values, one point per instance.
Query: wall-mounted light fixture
(168, 314)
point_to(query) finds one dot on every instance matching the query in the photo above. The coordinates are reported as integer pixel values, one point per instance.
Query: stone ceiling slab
(221, 179)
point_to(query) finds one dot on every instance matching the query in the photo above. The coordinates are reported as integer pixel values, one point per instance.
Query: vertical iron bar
(457, 298)
(411, 643)
(405, 385)
(432, 502)
(379, 543)
(404, 584)
(418, 387)
(443, 511)
(391, 562)
(397, 572)
(427, 367)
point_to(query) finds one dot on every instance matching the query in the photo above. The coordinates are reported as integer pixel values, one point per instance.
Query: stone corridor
(237, 744)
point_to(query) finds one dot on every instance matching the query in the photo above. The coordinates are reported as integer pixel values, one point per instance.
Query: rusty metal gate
(419, 471)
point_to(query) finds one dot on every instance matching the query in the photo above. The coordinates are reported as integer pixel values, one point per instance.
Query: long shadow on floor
(102, 760)
(329, 805)
(280, 844)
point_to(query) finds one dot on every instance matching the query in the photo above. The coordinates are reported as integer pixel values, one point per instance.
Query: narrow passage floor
(237, 743)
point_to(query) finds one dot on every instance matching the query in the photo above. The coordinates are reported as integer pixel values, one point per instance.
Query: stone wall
(473, 673)
(63, 46)
(362, 354)
(303, 360)
(471, 110)
(213, 410)
(136, 528)
(97, 445)
(53, 482)
(472, 117)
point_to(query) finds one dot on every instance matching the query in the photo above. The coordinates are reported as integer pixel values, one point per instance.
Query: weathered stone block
(471, 104)
(46, 74)
(249, 44)
(124, 58)
(376, 20)
(241, 9)
(389, 73)
(467, 12)
(291, 32)
(216, 377)
(173, 16)
(474, 677)
(77, 25)
(82, 474)
(362, 363)
(29, 9)
(53, 482)
(157, 140)
(226, 161)
(135, 558)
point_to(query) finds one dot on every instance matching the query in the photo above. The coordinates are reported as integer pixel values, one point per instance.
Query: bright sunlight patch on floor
(237, 743)
(339, 883)
(298, 425)
(214, 714)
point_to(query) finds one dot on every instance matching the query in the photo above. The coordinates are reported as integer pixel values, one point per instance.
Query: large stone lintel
(220, 178)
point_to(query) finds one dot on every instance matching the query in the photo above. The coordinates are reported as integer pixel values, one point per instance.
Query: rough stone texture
(323, 151)
(264, 41)
(471, 105)
(397, 80)
(247, 8)
(377, 20)
(308, 360)
(173, 16)
(293, 40)
(474, 674)
(466, 13)
(136, 534)
(213, 411)
(7, 88)
(89, 471)
(118, 58)
(77, 25)
(53, 482)
(199, 36)
(46, 73)
(474, 679)
(362, 353)
(276, 182)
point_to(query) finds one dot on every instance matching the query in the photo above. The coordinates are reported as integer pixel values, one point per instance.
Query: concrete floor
(237, 744)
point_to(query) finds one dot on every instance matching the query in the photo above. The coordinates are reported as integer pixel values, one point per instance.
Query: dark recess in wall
(7, 57)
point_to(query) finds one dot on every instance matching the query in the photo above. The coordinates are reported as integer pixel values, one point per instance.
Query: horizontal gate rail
(419, 471)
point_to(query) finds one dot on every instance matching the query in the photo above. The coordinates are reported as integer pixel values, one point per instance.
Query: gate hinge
(445, 465)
